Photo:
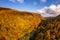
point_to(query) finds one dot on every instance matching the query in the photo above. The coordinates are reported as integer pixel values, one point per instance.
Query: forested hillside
(19, 25)
(48, 29)
(15, 25)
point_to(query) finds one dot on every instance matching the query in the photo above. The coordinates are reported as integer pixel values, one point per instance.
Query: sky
(50, 11)
(27, 5)
(46, 8)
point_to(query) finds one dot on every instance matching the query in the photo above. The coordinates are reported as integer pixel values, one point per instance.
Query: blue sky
(28, 5)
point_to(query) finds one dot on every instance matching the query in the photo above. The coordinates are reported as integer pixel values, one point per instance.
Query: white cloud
(50, 11)
(20, 1)
(43, 0)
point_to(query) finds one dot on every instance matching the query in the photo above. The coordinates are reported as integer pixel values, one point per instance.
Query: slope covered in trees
(14, 24)
(48, 29)
(19, 25)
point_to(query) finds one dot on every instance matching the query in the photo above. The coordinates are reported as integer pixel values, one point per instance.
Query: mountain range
(21, 25)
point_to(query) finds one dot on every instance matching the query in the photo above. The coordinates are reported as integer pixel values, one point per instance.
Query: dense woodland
(18, 25)
(48, 29)
(14, 25)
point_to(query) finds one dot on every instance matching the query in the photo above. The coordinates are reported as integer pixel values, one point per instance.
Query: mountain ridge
(22, 25)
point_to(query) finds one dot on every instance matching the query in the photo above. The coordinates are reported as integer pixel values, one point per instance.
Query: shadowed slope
(48, 30)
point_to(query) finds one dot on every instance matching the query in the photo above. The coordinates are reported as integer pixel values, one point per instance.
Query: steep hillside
(48, 30)
(16, 24)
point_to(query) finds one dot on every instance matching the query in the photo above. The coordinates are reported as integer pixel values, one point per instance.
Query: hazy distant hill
(48, 30)
(1, 8)
(14, 24)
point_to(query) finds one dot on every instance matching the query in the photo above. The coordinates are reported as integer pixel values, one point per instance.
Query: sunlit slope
(15, 24)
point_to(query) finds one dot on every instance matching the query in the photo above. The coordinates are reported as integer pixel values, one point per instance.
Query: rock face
(48, 29)
(16, 24)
